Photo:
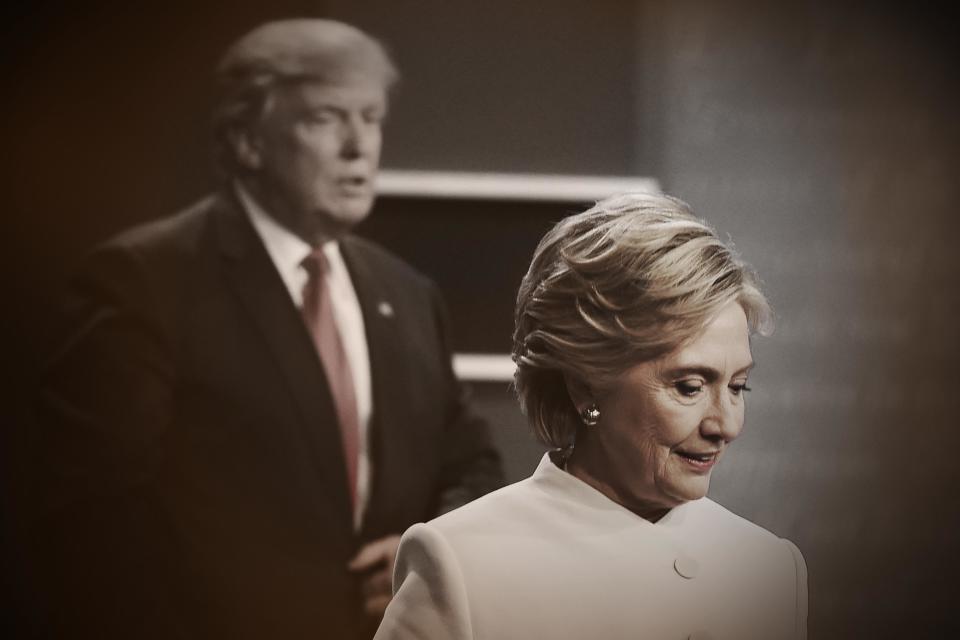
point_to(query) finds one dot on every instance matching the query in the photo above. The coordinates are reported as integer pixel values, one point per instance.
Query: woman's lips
(702, 461)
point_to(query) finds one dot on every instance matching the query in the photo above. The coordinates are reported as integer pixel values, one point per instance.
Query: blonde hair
(285, 52)
(625, 282)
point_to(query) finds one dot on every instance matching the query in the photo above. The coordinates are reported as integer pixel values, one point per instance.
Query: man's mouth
(354, 185)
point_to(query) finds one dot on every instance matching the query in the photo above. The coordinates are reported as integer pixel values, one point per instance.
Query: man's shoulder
(162, 256)
(183, 229)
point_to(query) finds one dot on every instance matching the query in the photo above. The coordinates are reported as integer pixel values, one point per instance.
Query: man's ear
(246, 148)
(580, 394)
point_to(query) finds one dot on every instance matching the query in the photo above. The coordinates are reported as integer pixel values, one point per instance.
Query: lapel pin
(385, 309)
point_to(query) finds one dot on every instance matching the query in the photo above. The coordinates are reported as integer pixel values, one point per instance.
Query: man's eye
(689, 388)
(320, 117)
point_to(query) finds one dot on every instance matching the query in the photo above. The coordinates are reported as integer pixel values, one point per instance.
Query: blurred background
(821, 136)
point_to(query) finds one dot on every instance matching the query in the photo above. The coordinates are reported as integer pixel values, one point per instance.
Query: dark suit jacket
(194, 480)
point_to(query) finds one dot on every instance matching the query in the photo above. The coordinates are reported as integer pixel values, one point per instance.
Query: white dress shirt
(287, 251)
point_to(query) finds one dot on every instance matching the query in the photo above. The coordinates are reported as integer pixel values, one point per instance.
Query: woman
(632, 346)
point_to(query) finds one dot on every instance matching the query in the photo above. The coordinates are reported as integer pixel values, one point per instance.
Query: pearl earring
(590, 415)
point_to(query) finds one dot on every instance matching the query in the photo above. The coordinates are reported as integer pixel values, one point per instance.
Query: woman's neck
(581, 464)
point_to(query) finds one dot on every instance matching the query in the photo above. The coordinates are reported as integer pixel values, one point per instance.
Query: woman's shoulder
(490, 512)
(714, 513)
(718, 525)
(550, 498)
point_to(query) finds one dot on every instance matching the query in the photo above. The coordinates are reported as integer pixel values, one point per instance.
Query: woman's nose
(724, 418)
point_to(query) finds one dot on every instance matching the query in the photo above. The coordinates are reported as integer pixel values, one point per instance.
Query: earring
(590, 415)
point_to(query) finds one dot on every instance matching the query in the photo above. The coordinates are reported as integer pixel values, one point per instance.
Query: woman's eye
(737, 388)
(689, 388)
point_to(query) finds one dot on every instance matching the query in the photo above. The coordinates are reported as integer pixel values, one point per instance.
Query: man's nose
(359, 137)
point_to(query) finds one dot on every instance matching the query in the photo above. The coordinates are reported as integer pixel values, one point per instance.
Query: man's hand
(376, 559)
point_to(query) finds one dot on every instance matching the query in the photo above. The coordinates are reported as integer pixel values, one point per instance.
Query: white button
(686, 566)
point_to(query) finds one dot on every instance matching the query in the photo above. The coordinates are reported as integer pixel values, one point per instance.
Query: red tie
(318, 314)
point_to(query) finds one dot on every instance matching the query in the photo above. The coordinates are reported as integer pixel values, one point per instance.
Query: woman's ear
(580, 394)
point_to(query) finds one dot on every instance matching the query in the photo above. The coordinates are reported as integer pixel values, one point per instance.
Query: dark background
(823, 137)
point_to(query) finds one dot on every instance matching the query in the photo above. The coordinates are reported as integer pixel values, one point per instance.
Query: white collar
(549, 475)
(286, 249)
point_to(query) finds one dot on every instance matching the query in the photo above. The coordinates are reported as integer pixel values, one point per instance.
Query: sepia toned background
(821, 136)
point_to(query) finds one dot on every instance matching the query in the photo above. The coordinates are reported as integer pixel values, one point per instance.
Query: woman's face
(666, 423)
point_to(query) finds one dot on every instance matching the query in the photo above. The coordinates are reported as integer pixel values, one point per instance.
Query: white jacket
(550, 557)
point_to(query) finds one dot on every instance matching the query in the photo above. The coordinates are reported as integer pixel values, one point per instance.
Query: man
(255, 403)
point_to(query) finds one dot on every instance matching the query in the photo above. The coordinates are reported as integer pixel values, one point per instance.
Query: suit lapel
(251, 274)
(384, 338)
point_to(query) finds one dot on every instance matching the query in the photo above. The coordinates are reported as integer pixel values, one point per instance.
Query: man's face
(316, 151)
